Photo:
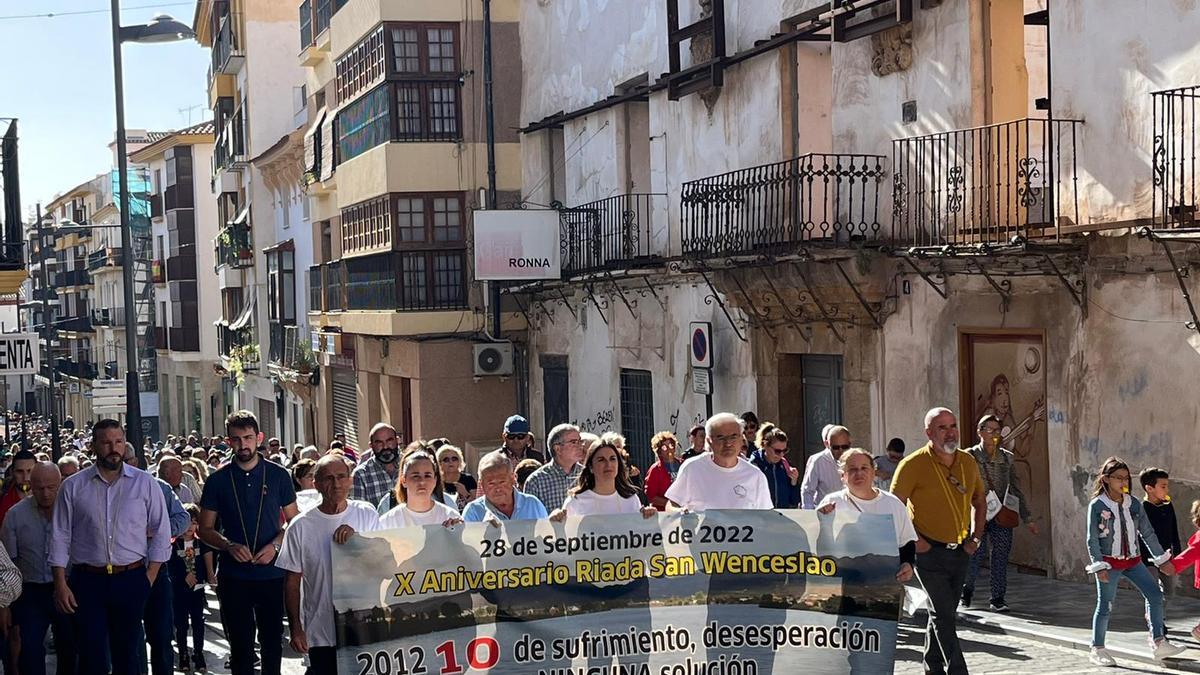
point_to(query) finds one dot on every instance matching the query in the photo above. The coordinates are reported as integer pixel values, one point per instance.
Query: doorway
(555, 391)
(810, 396)
(1003, 373)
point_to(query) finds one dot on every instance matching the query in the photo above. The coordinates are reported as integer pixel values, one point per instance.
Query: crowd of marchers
(108, 558)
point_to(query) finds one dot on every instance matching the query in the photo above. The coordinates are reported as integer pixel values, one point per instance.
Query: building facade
(876, 212)
(395, 163)
(183, 222)
(255, 88)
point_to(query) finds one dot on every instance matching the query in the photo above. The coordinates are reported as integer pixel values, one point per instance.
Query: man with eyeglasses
(551, 482)
(517, 442)
(821, 475)
(940, 483)
(1000, 479)
(721, 478)
(376, 476)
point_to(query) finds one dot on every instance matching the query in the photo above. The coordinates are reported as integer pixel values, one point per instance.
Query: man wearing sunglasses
(821, 475)
(517, 442)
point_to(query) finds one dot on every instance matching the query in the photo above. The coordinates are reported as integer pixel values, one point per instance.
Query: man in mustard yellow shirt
(940, 483)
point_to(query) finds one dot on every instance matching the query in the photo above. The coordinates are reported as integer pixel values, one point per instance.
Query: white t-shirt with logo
(703, 484)
(588, 503)
(884, 503)
(308, 549)
(402, 516)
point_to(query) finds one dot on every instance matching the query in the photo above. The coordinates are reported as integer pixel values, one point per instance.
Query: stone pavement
(1059, 613)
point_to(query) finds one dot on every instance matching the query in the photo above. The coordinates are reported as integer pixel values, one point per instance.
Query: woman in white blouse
(417, 490)
(603, 487)
(857, 469)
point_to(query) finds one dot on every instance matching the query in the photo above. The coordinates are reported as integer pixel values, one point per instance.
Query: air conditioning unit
(493, 358)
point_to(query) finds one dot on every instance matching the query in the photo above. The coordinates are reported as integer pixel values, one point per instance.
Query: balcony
(229, 149)
(418, 111)
(986, 185)
(105, 257)
(614, 233)
(1175, 199)
(234, 247)
(401, 282)
(160, 337)
(109, 316)
(76, 324)
(227, 55)
(289, 349)
(775, 209)
(75, 277)
(231, 340)
(157, 273)
(80, 369)
(156, 206)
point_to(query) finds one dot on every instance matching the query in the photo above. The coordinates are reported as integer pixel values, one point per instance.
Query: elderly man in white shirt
(721, 478)
(821, 475)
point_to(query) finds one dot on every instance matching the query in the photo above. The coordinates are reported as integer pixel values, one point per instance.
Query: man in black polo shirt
(247, 497)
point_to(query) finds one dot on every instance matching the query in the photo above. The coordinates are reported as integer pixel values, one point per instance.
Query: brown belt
(107, 569)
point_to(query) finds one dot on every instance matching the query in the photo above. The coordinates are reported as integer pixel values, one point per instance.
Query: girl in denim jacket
(1115, 520)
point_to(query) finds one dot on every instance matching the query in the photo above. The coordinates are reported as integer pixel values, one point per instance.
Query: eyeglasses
(839, 447)
(514, 437)
(990, 430)
(448, 459)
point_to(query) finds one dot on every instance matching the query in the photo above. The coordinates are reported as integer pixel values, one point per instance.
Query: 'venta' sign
(18, 353)
(517, 245)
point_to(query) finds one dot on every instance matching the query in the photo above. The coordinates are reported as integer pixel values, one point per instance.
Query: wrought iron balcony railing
(813, 199)
(234, 247)
(226, 52)
(1175, 199)
(613, 233)
(985, 185)
(287, 350)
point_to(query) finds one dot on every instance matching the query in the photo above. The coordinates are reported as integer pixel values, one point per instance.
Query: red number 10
(482, 654)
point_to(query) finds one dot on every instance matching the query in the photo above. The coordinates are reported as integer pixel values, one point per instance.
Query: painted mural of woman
(1014, 435)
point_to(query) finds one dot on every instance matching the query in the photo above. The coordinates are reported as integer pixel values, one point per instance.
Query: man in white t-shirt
(307, 555)
(722, 478)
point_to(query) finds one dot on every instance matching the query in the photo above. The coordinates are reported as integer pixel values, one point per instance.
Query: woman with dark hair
(604, 487)
(1115, 521)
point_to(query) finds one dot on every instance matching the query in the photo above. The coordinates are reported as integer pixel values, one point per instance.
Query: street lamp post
(162, 29)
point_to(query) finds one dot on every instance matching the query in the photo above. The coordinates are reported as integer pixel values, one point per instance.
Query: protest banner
(714, 593)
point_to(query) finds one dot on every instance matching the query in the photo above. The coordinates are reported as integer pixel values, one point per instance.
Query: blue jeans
(1106, 591)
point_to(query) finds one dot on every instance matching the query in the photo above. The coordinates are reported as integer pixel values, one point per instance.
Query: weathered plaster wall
(1110, 87)
(655, 341)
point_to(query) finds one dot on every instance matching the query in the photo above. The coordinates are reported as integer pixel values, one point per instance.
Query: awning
(312, 142)
(327, 146)
(243, 216)
(243, 319)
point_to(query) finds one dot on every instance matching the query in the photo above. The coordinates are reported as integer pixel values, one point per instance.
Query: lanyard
(258, 520)
(944, 483)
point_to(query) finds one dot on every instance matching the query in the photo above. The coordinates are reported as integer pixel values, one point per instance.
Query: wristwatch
(976, 540)
(276, 549)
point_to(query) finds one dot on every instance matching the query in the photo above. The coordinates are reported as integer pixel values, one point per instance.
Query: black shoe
(185, 662)
(966, 599)
(199, 663)
(998, 605)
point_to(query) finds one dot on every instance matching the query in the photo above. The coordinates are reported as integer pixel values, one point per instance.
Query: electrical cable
(81, 12)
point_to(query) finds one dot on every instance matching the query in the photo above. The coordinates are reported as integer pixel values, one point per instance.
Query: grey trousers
(942, 572)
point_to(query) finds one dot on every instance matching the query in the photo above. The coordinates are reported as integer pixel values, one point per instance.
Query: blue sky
(58, 81)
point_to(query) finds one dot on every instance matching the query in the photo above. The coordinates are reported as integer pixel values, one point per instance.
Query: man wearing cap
(516, 441)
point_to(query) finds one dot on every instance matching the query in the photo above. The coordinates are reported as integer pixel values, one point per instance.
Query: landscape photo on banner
(731, 592)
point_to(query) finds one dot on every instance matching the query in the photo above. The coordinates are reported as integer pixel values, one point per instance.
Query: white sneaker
(1100, 657)
(1163, 649)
